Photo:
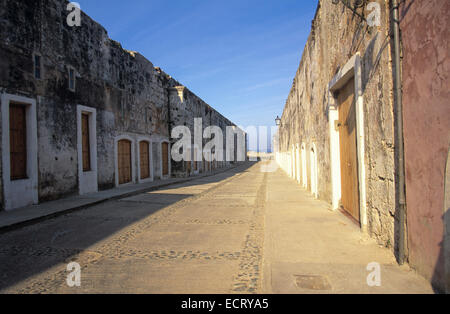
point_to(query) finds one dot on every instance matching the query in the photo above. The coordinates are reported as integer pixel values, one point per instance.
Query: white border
(87, 180)
(351, 69)
(133, 159)
(20, 193)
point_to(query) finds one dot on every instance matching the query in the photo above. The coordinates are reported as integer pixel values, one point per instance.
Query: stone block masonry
(70, 71)
(340, 47)
(339, 135)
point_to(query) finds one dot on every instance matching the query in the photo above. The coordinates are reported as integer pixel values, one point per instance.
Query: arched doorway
(144, 160)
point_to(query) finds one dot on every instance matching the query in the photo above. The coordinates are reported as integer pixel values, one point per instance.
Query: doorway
(19, 151)
(124, 161)
(189, 163)
(348, 150)
(144, 160)
(165, 159)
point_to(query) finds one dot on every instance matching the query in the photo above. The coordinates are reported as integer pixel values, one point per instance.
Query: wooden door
(124, 159)
(144, 159)
(18, 141)
(195, 160)
(165, 159)
(188, 167)
(347, 136)
(189, 162)
(86, 152)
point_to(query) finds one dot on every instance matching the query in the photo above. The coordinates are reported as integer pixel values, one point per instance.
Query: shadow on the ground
(33, 249)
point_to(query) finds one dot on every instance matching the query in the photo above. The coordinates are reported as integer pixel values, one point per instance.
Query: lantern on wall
(278, 121)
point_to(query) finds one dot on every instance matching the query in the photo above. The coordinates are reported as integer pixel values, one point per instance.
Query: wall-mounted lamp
(278, 121)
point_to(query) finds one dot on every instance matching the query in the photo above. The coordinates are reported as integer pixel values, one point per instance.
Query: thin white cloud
(265, 84)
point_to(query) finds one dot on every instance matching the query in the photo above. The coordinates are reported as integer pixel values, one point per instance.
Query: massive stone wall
(131, 96)
(185, 106)
(337, 34)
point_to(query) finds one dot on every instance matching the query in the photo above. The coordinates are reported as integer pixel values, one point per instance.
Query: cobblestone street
(205, 236)
(240, 231)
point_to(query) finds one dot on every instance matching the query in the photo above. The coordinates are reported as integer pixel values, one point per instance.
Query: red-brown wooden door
(124, 160)
(18, 141)
(144, 150)
(195, 160)
(85, 142)
(347, 136)
(165, 159)
(189, 163)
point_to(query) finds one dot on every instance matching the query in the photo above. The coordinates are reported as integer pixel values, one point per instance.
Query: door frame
(150, 157)
(352, 69)
(116, 159)
(20, 193)
(87, 180)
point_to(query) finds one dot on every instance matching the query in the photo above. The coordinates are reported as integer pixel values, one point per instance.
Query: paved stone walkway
(241, 231)
(311, 249)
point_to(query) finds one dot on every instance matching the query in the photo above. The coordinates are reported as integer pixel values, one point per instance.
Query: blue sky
(240, 56)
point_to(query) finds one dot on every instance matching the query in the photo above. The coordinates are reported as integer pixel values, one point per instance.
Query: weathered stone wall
(130, 95)
(337, 35)
(185, 106)
(425, 29)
